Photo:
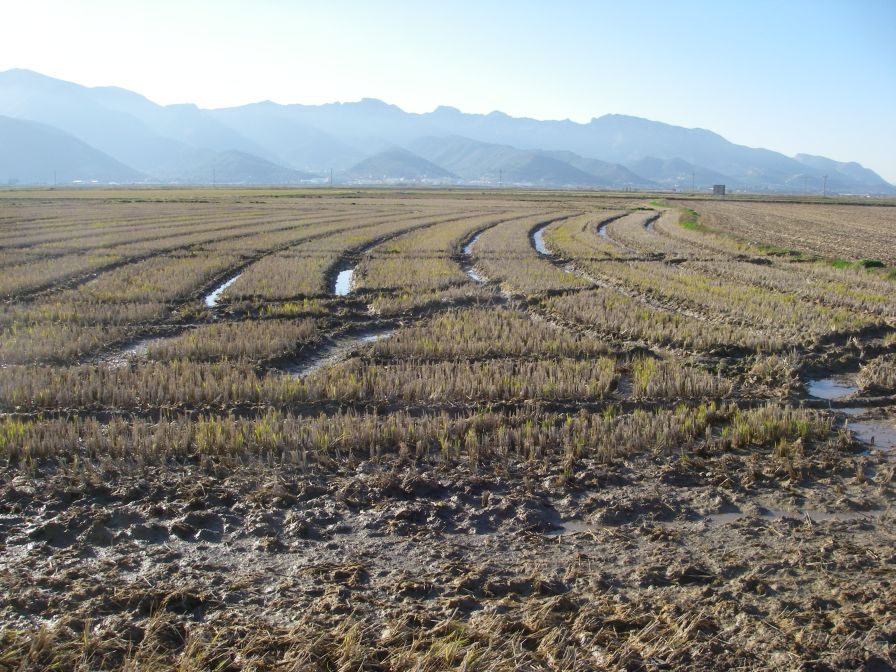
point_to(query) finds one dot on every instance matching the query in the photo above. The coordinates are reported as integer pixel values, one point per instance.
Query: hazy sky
(816, 77)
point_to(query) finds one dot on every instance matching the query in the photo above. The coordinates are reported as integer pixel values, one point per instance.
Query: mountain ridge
(266, 141)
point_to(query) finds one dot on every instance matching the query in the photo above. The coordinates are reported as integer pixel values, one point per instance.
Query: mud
(776, 574)
(336, 350)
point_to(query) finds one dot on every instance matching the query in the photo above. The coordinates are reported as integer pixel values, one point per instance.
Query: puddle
(725, 518)
(212, 299)
(570, 527)
(852, 410)
(878, 433)
(468, 248)
(538, 240)
(344, 282)
(468, 253)
(602, 231)
(835, 387)
(336, 351)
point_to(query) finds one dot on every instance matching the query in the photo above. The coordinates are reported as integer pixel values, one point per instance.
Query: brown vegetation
(598, 456)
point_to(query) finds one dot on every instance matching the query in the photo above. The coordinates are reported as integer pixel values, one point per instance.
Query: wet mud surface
(704, 561)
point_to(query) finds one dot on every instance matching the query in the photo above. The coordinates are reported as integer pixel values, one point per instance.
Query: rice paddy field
(445, 430)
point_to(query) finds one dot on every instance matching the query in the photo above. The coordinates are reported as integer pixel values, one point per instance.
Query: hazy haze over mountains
(108, 134)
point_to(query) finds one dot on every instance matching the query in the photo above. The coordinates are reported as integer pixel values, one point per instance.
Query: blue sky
(816, 77)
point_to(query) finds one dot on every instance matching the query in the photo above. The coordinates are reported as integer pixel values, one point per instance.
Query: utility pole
(331, 177)
(693, 178)
(805, 184)
(500, 176)
(825, 188)
(214, 178)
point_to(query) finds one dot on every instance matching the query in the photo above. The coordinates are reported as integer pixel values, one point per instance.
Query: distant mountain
(297, 144)
(490, 163)
(265, 141)
(177, 142)
(238, 168)
(75, 110)
(185, 124)
(843, 176)
(679, 174)
(608, 174)
(35, 153)
(397, 165)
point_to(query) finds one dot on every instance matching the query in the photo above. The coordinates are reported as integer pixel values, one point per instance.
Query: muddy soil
(668, 562)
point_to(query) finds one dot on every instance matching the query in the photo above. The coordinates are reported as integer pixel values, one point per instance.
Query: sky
(817, 76)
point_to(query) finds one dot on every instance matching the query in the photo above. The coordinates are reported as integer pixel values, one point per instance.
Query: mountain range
(53, 131)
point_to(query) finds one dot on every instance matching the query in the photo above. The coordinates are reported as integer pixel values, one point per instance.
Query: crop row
(57, 342)
(608, 311)
(301, 231)
(421, 260)
(847, 288)
(578, 237)
(781, 313)
(654, 379)
(485, 333)
(68, 324)
(631, 235)
(685, 231)
(527, 434)
(39, 272)
(248, 237)
(853, 232)
(421, 268)
(94, 224)
(64, 326)
(244, 341)
(303, 270)
(505, 254)
(180, 383)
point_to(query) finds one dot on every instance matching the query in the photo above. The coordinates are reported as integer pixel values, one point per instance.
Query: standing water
(468, 253)
(538, 238)
(835, 387)
(468, 248)
(344, 282)
(212, 299)
(875, 432)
